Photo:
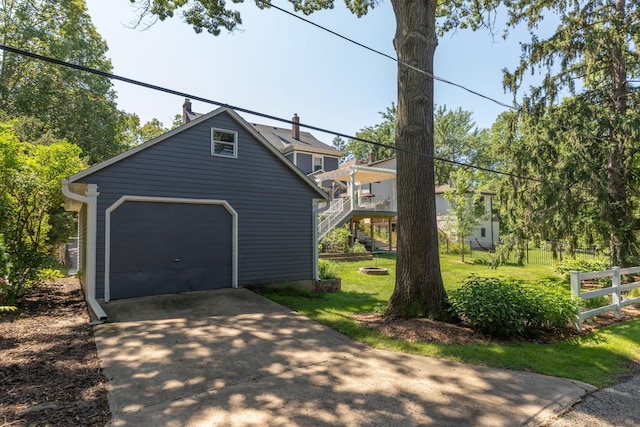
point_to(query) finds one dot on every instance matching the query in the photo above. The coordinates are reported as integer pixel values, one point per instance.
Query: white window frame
(215, 142)
(313, 163)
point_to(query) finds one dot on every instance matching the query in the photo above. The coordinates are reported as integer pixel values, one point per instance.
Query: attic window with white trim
(317, 163)
(224, 143)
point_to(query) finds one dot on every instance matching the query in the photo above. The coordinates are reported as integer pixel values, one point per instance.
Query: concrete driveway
(233, 358)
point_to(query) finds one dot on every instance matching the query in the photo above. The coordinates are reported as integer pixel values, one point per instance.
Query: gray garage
(208, 205)
(167, 247)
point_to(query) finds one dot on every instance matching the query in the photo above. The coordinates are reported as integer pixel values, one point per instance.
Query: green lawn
(596, 359)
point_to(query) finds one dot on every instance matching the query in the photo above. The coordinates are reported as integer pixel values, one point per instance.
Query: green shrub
(380, 309)
(337, 240)
(508, 308)
(48, 274)
(5, 286)
(455, 248)
(633, 293)
(327, 269)
(596, 302)
(552, 305)
(5, 265)
(568, 265)
(358, 248)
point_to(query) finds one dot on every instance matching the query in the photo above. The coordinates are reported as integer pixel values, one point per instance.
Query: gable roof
(201, 118)
(284, 141)
(280, 138)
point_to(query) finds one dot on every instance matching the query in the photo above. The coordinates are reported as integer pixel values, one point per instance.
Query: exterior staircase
(339, 213)
(365, 239)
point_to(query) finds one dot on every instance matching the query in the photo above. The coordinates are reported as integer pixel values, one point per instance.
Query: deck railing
(376, 204)
(337, 211)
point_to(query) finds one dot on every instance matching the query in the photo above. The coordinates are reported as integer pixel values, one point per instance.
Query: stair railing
(337, 211)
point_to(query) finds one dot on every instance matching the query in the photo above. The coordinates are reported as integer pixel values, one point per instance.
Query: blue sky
(279, 65)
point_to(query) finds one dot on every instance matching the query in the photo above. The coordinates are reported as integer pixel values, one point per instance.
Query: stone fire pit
(378, 271)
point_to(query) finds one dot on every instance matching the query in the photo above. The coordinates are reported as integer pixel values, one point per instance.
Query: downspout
(91, 200)
(316, 210)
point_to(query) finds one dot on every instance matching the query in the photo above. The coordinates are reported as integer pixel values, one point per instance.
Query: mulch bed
(49, 368)
(427, 330)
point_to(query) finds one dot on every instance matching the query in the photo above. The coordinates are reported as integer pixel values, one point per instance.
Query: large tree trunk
(419, 289)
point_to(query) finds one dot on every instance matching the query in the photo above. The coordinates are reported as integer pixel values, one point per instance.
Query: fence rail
(544, 254)
(618, 301)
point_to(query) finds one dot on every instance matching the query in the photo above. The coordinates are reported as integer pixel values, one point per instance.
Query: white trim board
(133, 198)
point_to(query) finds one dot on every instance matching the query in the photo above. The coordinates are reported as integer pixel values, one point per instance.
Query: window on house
(224, 143)
(317, 163)
(483, 232)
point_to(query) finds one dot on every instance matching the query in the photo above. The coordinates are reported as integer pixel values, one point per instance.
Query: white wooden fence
(615, 290)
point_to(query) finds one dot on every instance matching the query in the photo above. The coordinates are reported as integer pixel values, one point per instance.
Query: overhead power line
(252, 112)
(440, 79)
(378, 52)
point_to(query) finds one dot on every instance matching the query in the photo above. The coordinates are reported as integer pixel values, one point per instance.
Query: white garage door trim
(130, 198)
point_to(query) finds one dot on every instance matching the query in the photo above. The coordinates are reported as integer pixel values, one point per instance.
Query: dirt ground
(50, 372)
(49, 369)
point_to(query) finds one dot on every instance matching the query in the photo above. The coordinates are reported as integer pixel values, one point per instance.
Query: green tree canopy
(456, 138)
(31, 204)
(383, 133)
(77, 106)
(466, 209)
(134, 134)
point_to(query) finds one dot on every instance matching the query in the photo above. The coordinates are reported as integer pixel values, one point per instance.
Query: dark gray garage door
(160, 248)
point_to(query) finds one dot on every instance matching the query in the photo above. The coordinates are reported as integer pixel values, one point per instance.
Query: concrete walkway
(233, 358)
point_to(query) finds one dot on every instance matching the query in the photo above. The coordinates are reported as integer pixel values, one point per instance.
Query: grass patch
(597, 358)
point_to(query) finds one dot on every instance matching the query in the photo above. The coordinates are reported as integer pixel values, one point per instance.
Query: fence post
(615, 295)
(575, 293)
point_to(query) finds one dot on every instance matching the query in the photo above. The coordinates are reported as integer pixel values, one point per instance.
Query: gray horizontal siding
(274, 205)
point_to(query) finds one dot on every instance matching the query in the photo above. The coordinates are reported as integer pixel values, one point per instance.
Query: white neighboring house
(487, 233)
(378, 188)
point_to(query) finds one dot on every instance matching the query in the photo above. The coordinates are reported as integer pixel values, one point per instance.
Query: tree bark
(419, 290)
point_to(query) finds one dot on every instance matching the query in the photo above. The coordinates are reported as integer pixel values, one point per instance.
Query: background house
(200, 207)
(368, 195)
(487, 232)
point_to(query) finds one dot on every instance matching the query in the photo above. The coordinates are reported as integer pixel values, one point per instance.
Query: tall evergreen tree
(588, 140)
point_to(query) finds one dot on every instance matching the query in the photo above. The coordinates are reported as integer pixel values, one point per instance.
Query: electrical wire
(433, 76)
(112, 76)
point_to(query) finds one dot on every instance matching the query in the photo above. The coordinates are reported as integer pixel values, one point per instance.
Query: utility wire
(440, 79)
(255, 113)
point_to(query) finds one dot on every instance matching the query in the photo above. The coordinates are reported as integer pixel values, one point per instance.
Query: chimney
(295, 131)
(186, 111)
(372, 156)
